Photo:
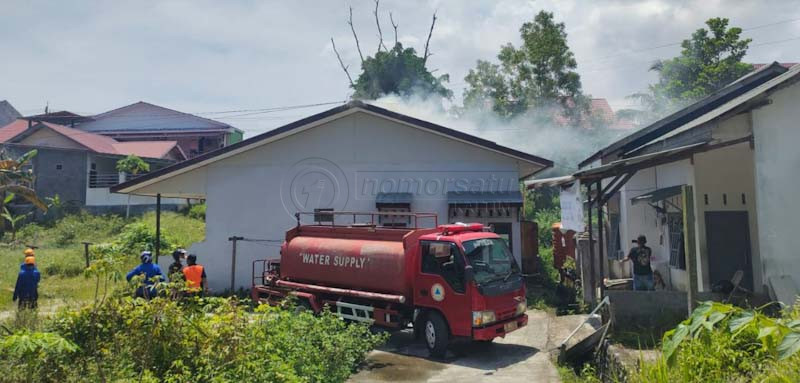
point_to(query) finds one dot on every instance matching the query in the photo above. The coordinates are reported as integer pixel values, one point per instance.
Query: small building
(356, 157)
(80, 167)
(711, 187)
(143, 121)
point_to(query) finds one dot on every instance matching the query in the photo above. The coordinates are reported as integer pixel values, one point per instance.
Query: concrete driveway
(521, 357)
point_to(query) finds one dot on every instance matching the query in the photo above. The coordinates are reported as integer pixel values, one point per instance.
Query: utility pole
(86, 252)
(234, 239)
(689, 242)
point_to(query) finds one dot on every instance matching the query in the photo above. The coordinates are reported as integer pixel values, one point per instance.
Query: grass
(60, 256)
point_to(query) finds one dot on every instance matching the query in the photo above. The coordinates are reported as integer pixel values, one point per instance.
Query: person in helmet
(27, 288)
(195, 276)
(177, 266)
(151, 272)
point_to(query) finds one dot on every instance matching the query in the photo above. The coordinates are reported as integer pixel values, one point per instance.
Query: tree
(711, 59)
(15, 179)
(540, 74)
(132, 164)
(399, 70)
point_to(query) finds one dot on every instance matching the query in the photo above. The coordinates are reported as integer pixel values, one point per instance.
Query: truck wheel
(437, 335)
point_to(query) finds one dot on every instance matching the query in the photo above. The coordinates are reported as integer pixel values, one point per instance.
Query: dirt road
(521, 357)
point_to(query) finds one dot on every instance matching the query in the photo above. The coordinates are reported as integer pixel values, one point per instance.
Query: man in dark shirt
(176, 267)
(642, 273)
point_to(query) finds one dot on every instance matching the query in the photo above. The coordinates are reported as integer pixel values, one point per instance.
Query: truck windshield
(490, 259)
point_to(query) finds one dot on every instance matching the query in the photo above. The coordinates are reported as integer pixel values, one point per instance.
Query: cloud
(209, 55)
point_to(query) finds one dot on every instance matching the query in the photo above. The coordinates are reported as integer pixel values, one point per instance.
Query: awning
(393, 199)
(657, 195)
(638, 162)
(506, 198)
(549, 182)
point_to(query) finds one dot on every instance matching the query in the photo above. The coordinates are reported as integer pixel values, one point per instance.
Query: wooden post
(158, 225)
(234, 239)
(86, 252)
(592, 279)
(689, 242)
(600, 238)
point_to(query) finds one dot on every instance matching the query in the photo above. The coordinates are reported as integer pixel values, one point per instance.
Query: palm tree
(17, 179)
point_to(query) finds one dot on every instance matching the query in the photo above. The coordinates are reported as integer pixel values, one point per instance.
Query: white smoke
(565, 145)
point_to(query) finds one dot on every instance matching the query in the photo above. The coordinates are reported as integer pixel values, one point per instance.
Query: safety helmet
(146, 257)
(178, 254)
(30, 260)
(192, 258)
(28, 252)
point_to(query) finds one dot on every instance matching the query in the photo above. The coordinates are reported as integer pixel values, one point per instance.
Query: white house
(357, 157)
(737, 149)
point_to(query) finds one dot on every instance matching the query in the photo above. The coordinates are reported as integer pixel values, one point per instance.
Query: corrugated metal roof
(393, 198)
(762, 89)
(94, 142)
(272, 135)
(7, 113)
(485, 197)
(667, 124)
(549, 182)
(145, 117)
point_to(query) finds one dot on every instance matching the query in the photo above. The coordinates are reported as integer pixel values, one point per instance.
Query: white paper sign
(572, 208)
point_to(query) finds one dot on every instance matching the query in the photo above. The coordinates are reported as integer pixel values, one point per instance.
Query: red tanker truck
(448, 282)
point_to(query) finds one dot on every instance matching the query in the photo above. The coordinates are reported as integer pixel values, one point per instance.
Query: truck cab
(466, 285)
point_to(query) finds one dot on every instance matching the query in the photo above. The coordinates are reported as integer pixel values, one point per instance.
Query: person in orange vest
(195, 276)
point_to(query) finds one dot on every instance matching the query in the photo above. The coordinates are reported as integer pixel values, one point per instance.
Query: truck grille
(505, 314)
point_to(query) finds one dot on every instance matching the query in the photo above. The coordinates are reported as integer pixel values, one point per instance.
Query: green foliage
(132, 164)
(139, 236)
(27, 356)
(720, 342)
(540, 74)
(711, 59)
(399, 71)
(82, 227)
(211, 339)
(198, 212)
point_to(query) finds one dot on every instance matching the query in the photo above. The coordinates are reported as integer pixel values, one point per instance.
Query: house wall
(341, 164)
(643, 219)
(47, 137)
(728, 171)
(68, 182)
(777, 160)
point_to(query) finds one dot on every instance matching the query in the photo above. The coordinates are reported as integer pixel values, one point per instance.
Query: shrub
(84, 227)
(211, 339)
(722, 343)
(198, 212)
(139, 236)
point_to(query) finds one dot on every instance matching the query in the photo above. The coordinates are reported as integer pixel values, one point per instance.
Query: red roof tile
(94, 142)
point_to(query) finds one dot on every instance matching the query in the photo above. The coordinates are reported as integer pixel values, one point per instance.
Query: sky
(208, 57)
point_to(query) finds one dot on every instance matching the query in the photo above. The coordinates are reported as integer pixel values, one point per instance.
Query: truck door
(440, 284)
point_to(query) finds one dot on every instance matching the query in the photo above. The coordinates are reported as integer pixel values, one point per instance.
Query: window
(676, 252)
(394, 220)
(58, 167)
(320, 216)
(503, 229)
(491, 260)
(443, 258)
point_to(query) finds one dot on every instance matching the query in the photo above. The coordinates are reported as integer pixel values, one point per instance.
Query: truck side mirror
(469, 274)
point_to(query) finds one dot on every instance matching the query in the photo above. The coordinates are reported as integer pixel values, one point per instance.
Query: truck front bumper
(499, 329)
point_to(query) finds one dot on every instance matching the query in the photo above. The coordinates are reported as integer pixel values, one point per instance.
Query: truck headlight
(481, 318)
(522, 306)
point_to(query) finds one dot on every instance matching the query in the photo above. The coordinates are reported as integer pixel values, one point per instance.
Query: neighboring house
(7, 113)
(600, 114)
(357, 157)
(63, 117)
(737, 149)
(142, 121)
(79, 166)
